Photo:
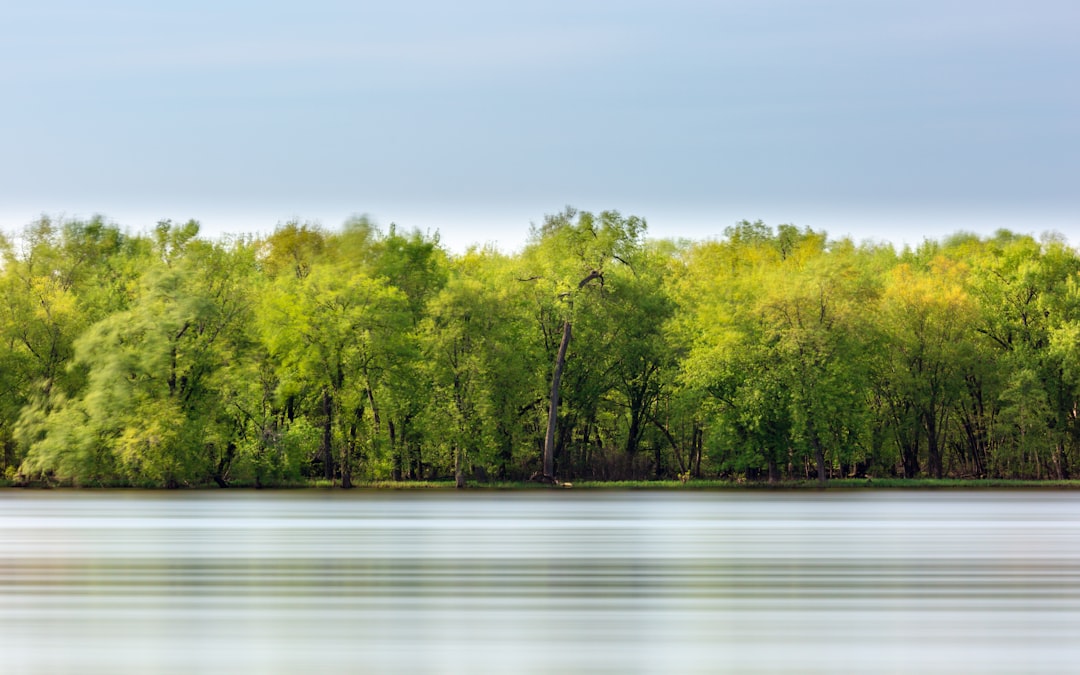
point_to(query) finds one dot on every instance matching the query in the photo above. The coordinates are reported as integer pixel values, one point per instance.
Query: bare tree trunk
(553, 408)
(556, 377)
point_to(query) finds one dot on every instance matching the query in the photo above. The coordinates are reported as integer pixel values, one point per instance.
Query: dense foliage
(358, 355)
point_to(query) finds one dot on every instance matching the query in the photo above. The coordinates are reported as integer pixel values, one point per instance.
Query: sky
(883, 120)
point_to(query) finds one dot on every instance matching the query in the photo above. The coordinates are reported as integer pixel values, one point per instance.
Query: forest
(317, 356)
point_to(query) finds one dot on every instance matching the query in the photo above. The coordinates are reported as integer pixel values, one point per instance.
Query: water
(564, 581)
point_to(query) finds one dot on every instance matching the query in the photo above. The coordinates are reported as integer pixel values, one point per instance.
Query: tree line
(168, 359)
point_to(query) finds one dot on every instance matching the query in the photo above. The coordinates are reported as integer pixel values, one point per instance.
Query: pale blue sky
(878, 119)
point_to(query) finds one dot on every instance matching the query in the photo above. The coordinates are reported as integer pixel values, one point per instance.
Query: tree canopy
(766, 353)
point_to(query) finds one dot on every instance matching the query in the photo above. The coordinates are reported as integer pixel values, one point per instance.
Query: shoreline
(599, 486)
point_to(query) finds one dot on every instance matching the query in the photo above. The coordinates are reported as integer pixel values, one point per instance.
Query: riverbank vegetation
(594, 354)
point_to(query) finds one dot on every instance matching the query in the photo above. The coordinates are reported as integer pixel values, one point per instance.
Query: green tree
(149, 412)
(415, 264)
(811, 314)
(57, 278)
(336, 329)
(926, 318)
(570, 253)
(634, 315)
(1023, 289)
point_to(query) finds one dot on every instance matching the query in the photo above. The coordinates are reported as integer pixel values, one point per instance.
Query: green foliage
(146, 411)
(379, 358)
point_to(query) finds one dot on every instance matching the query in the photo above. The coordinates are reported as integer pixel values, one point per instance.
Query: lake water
(539, 582)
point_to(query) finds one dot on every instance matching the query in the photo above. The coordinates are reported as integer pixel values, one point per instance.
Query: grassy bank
(840, 483)
(836, 484)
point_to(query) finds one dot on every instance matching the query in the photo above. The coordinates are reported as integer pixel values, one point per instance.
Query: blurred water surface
(539, 582)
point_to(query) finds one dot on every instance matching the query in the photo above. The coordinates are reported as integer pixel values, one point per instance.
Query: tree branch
(595, 274)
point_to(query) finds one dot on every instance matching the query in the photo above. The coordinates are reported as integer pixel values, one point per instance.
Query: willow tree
(150, 411)
(57, 277)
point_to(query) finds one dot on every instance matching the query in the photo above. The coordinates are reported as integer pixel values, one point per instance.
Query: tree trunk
(325, 448)
(697, 447)
(1061, 465)
(346, 461)
(774, 471)
(910, 457)
(395, 453)
(223, 466)
(819, 457)
(819, 450)
(506, 450)
(553, 408)
(374, 409)
(639, 400)
(346, 471)
(633, 436)
(349, 445)
(933, 450)
(556, 377)
(675, 446)
(459, 475)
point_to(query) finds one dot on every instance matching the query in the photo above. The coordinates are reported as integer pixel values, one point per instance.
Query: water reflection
(539, 582)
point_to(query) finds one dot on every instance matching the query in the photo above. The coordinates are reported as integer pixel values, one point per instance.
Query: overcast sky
(876, 119)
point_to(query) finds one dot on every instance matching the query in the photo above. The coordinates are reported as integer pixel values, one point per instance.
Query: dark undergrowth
(699, 484)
